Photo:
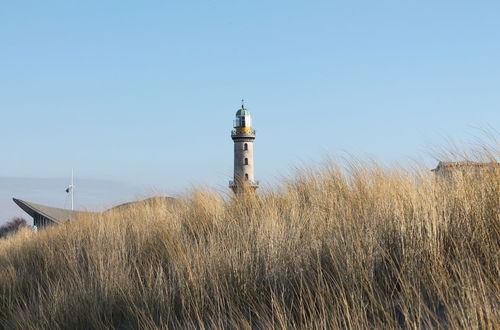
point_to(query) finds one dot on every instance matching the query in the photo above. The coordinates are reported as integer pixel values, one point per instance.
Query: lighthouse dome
(242, 112)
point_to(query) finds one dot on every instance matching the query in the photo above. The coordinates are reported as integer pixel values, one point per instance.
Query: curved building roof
(53, 213)
(242, 112)
(148, 201)
(58, 215)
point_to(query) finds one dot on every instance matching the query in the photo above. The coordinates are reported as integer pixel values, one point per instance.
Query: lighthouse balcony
(247, 183)
(244, 132)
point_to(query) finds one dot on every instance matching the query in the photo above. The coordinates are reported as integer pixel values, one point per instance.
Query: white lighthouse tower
(243, 136)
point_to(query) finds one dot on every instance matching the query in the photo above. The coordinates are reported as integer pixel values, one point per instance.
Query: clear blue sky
(144, 92)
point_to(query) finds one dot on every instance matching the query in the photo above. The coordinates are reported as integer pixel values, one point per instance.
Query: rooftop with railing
(239, 132)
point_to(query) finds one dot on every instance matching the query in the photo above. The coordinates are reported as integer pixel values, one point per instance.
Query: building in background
(450, 170)
(243, 136)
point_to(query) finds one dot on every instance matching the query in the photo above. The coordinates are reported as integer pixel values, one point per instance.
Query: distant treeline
(12, 227)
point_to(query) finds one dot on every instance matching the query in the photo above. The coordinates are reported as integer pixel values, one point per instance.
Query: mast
(72, 192)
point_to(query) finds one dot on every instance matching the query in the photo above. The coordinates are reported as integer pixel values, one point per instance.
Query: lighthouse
(243, 136)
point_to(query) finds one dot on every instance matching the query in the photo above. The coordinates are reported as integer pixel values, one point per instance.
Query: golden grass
(366, 248)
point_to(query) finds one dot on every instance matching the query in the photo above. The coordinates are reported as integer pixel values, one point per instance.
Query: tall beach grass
(364, 248)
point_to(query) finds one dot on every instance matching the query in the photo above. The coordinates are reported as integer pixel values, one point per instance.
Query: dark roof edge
(31, 210)
(24, 206)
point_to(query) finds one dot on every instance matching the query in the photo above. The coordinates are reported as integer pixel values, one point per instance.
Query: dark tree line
(12, 227)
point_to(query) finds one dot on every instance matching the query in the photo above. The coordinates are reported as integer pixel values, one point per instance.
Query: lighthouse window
(246, 161)
(246, 176)
(243, 122)
(245, 146)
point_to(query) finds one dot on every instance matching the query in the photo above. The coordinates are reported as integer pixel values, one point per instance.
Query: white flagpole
(72, 193)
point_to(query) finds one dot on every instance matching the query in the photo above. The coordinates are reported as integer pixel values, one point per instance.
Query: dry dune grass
(367, 248)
